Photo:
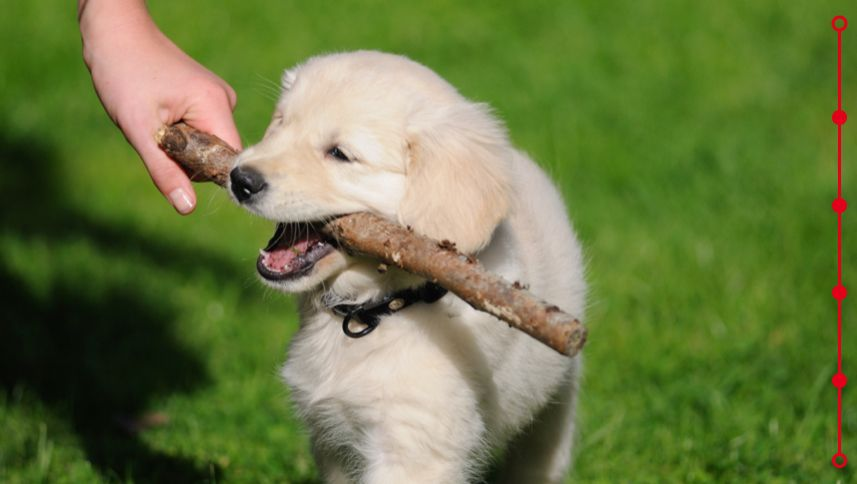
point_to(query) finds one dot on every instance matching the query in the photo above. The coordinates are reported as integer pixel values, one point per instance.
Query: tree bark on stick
(205, 157)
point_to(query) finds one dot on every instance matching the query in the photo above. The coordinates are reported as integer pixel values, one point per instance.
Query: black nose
(246, 182)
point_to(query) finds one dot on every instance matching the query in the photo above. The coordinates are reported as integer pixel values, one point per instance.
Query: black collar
(369, 313)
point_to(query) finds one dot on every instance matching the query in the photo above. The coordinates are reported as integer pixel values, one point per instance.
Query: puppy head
(367, 131)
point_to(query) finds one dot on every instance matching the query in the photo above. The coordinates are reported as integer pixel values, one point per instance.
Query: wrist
(113, 25)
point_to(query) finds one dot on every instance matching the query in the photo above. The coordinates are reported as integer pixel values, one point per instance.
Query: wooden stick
(207, 158)
(204, 157)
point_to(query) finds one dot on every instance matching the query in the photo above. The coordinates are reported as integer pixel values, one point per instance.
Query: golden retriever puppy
(397, 381)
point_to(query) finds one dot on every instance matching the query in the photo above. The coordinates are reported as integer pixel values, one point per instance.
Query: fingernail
(181, 201)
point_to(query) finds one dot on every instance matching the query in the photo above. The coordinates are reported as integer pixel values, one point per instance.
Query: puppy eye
(276, 122)
(338, 154)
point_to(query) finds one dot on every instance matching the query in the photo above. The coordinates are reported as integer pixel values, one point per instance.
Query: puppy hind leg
(332, 465)
(541, 454)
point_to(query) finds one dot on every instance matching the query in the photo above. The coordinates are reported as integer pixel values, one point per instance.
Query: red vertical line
(839, 159)
(839, 68)
(839, 426)
(839, 119)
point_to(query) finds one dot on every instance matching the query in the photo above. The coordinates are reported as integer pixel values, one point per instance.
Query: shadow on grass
(91, 356)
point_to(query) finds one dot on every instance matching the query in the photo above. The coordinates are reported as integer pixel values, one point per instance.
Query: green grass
(692, 140)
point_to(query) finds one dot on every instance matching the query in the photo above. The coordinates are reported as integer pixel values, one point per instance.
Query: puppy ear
(288, 79)
(457, 177)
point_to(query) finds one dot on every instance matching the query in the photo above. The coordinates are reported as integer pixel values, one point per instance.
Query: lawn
(693, 142)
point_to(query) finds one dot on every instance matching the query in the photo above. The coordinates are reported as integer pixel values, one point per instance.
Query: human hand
(145, 81)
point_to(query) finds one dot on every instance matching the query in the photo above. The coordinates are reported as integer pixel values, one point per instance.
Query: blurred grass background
(692, 140)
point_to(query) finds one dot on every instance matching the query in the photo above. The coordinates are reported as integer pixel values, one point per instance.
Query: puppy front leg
(417, 460)
(427, 445)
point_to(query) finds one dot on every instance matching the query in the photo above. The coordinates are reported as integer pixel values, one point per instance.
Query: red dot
(839, 292)
(839, 117)
(839, 460)
(839, 205)
(839, 380)
(840, 23)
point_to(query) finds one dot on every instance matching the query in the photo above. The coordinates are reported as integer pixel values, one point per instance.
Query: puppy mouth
(293, 251)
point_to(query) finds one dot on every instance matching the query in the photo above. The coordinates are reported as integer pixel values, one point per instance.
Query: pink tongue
(279, 258)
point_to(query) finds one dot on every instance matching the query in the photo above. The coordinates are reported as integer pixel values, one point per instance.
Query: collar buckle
(369, 313)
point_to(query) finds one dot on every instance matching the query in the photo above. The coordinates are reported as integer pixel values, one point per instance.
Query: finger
(170, 179)
(233, 97)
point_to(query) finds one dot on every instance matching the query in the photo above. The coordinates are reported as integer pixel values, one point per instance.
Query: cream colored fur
(438, 389)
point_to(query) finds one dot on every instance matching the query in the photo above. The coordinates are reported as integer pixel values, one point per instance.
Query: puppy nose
(246, 182)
